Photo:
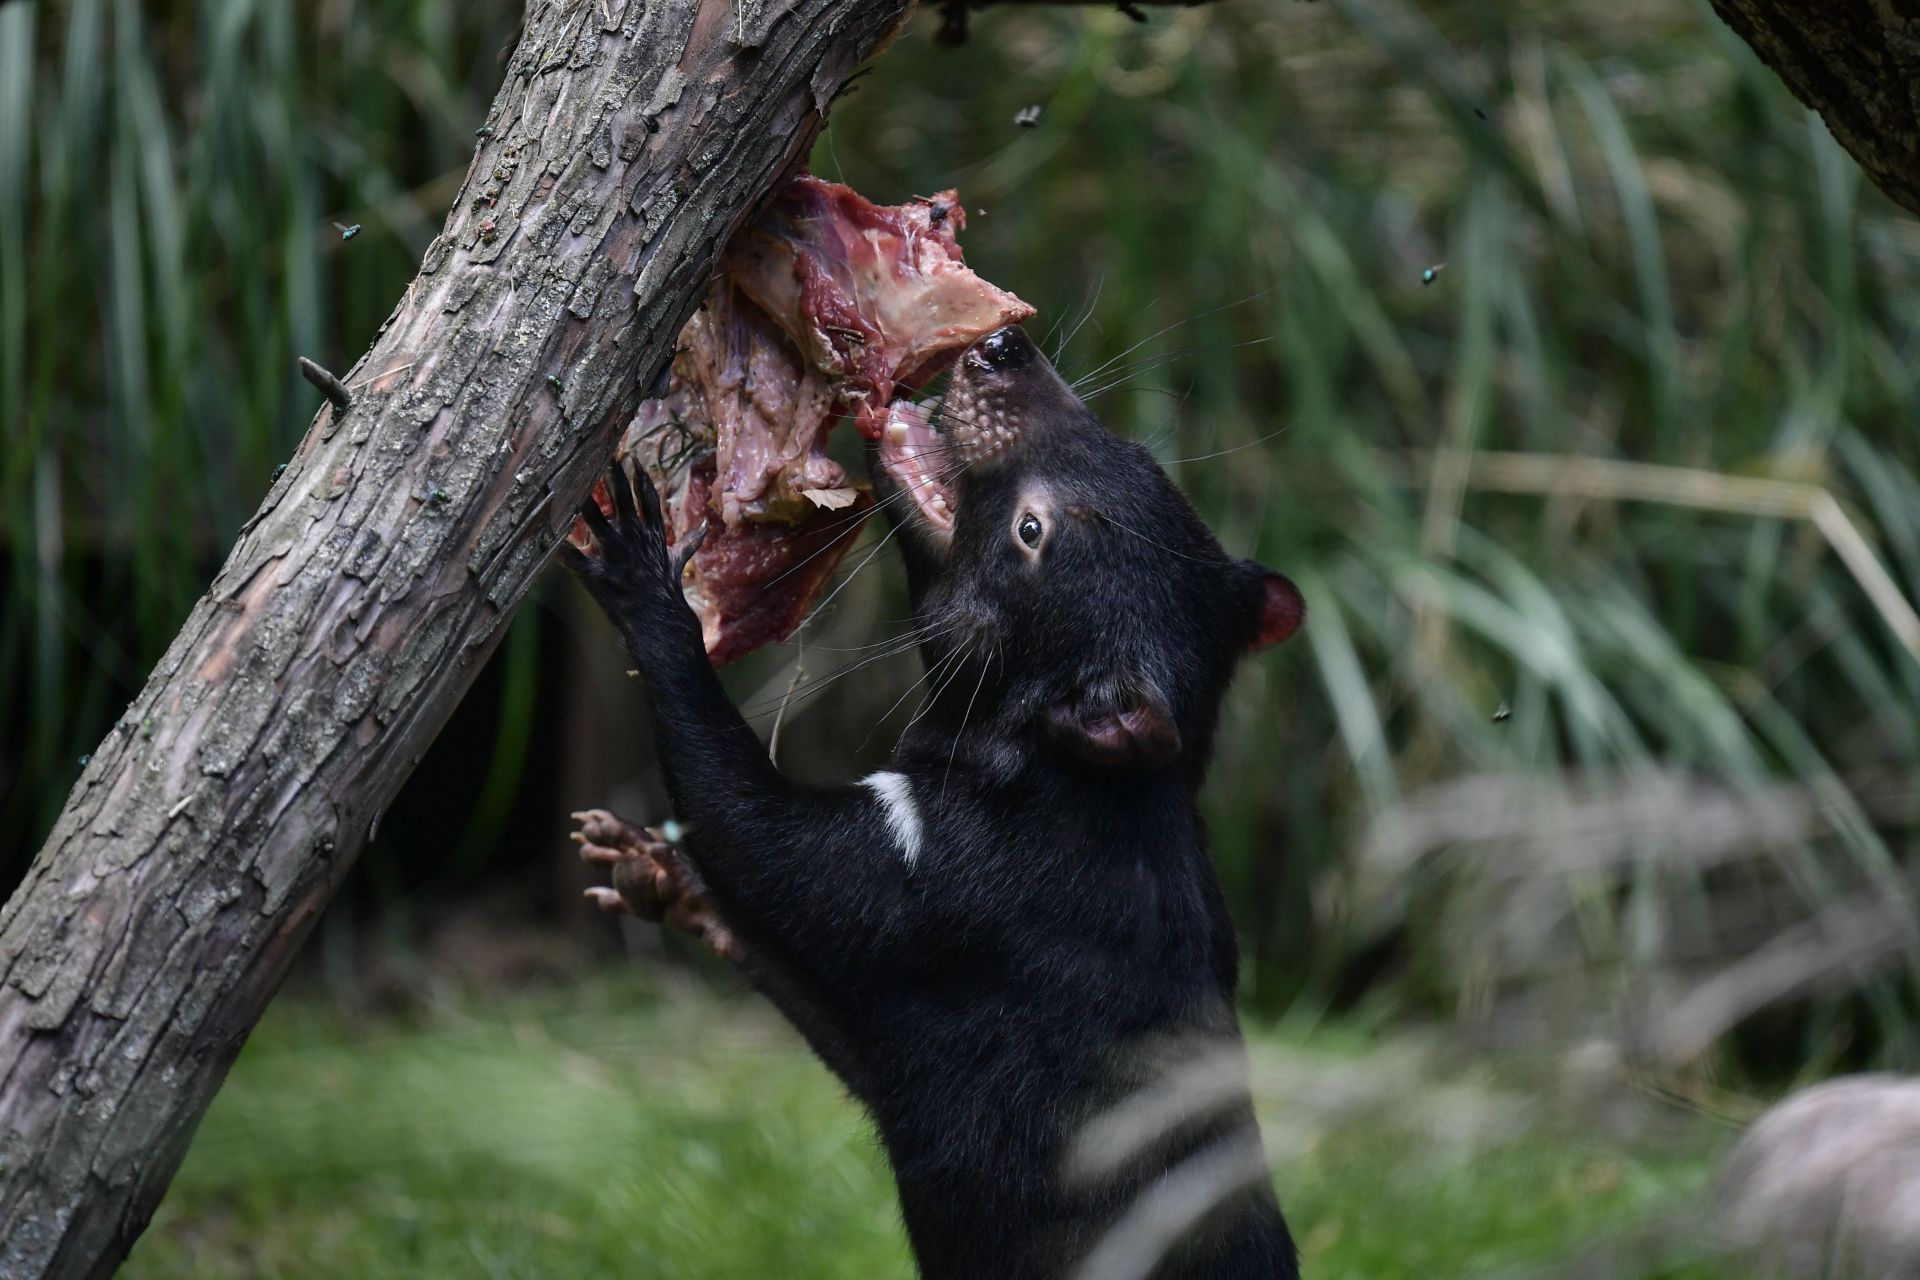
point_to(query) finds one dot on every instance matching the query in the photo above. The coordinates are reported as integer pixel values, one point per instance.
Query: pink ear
(1282, 610)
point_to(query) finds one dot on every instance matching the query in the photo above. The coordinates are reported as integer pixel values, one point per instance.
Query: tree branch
(1856, 62)
(212, 826)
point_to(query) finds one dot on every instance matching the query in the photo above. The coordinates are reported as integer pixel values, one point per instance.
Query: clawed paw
(619, 551)
(651, 880)
(615, 538)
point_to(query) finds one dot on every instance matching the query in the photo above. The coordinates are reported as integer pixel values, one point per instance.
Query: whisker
(965, 716)
(1150, 542)
(889, 648)
(851, 575)
(820, 683)
(898, 495)
(885, 715)
(1221, 453)
(1085, 316)
(854, 648)
(934, 697)
(1172, 425)
(1225, 306)
(1126, 374)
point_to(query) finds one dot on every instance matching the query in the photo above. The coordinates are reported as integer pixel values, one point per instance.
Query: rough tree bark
(215, 821)
(1856, 62)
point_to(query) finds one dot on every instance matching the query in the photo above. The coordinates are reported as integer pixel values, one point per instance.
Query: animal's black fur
(1062, 917)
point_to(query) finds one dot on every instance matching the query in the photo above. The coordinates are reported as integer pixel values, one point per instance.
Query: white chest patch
(897, 807)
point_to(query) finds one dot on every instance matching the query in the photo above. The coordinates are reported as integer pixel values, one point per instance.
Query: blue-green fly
(348, 232)
(1432, 273)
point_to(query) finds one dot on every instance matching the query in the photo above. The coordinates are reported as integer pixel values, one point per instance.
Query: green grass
(599, 1129)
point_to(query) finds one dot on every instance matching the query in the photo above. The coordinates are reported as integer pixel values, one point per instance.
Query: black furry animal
(998, 941)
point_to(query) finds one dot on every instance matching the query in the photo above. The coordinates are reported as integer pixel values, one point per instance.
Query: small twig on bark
(330, 387)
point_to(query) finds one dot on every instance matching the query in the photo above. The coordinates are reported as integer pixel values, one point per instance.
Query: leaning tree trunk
(213, 824)
(1856, 62)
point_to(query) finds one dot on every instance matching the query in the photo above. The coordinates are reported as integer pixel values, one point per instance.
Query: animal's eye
(1030, 529)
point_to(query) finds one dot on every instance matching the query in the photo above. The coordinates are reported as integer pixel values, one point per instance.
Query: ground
(601, 1128)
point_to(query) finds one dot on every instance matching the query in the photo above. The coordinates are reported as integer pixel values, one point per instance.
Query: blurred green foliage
(170, 179)
(1335, 261)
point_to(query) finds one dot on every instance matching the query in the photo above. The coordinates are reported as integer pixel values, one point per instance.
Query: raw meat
(828, 305)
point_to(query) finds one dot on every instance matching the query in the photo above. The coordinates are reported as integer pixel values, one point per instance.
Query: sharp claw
(688, 548)
(622, 489)
(608, 900)
(650, 501)
(597, 523)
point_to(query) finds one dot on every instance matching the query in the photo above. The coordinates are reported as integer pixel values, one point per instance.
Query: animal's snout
(1004, 396)
(1005, 350)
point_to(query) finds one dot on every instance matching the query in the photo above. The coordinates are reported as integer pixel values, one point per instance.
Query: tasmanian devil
(995, 941)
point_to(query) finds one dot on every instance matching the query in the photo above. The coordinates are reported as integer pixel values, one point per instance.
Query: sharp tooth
(897, 431)
(940, 502)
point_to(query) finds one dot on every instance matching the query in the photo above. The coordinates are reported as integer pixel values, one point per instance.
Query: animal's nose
(1005, 350)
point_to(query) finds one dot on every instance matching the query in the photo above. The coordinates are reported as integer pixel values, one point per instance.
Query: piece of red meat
(875, 297)
(828, 305)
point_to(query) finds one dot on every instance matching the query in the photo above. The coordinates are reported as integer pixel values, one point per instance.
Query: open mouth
(925, 443)
(917, 459)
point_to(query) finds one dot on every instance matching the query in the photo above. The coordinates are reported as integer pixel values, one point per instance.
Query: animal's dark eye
(1030, 529)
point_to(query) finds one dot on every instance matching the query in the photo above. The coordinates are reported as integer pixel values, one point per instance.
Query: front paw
(651, 880)
(625, 563)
